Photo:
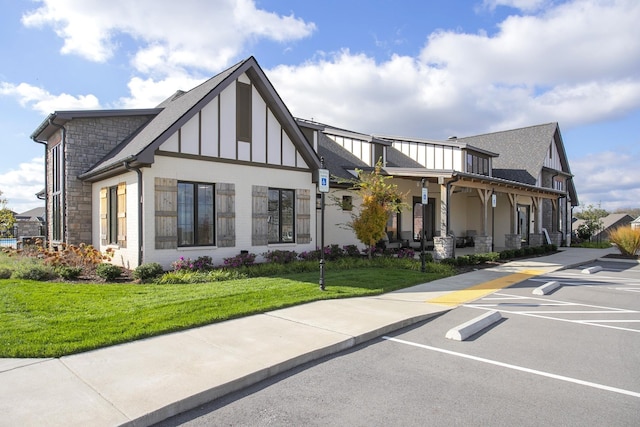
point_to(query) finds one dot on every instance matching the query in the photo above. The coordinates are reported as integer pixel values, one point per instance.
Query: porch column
(444, 207)
(535, 237)
(483, 241)
(513, 240)
(443, 245)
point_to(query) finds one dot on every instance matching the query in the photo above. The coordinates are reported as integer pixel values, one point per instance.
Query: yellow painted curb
(478, 291)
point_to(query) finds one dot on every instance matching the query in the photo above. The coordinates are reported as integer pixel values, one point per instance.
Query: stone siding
(87, 141)
(513, 241)
(482, 244)
(443, 247)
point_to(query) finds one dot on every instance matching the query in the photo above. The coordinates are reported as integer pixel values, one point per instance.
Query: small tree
(7, 219)
(379, 200)
(592, 217)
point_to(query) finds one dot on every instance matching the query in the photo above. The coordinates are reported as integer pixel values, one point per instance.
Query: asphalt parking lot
(571, 357)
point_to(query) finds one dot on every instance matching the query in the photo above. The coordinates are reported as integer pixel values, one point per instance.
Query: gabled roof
(139, 149)
(610, 221)
(337, 159)
(522, 151)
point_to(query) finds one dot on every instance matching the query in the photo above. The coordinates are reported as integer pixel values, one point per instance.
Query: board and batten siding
(213, 131)
(226, 215)
(303, 216)
(431, 155)
(166, 213)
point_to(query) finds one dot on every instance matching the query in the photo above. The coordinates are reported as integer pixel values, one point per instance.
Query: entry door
(417, 218)
(524, 212)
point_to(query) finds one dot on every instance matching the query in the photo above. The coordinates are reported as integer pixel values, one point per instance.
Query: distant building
(30, 223)
(609, 223)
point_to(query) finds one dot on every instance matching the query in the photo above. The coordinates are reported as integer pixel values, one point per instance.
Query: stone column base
(513, 241)
(443, 247)
(482, 244)
(536, 239)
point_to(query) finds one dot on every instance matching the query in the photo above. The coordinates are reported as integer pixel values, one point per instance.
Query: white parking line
(546, 314)
(517, 368)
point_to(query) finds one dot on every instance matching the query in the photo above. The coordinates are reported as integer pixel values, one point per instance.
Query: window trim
(280, 216)
(194, 215)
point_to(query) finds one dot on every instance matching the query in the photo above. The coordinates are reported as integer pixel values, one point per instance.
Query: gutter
(140, 210)
(46, 192)
(454, 180)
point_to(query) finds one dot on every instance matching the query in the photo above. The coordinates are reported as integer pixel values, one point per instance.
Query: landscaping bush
(68, 273)
(351, 251)
(5, 273)
(626, 239)
(147, 271)
(333, 252)
(203, 263)
(194, 277)
(280, 256)
(108, 271)
(244, 259)
(34, 271)
(406, 253)
(310, 255)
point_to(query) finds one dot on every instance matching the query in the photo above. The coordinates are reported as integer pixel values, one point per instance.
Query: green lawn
(46, 319)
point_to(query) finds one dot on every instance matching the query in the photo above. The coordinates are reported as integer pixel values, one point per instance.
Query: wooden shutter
(103, 216)
(122, 214)
(303, 216)
(166, 213)
(260, 216)
(226, 215)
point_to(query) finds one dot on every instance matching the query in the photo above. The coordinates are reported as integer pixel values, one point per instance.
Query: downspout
(453, 181)
(140, 210)
(46, 192)
(63, 178)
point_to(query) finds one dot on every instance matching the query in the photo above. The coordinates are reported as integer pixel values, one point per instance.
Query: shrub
(310, 256)
(147, 271)
(203, 263)
(108, 271)
(406, 253)
(333, 252)
(5, 273)
(626, 239)
(68, 273)
(34, 272)
(280, 256)
(351, 250)
(244, 259)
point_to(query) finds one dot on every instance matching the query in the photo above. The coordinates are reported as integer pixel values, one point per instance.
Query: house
(30, 223)
(225, 168)
(609, 223)
(635, 223)
(500, 190)
(213, 171)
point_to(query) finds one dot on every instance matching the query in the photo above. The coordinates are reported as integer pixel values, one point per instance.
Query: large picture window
(281, 215)
(196, 214)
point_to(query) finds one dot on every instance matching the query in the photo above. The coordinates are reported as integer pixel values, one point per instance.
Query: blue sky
(423, 68)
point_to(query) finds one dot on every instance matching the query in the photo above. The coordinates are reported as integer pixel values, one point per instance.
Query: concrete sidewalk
(147, 381)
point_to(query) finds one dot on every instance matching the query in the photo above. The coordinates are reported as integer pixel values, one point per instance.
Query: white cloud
(608, 178)
(42, 101)
(19, 186)
(200, 34)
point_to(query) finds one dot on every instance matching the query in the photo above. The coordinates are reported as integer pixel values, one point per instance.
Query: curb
(547, 288)
(206, 396)
(473, 326)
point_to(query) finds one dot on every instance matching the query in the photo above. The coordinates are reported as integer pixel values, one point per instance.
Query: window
(281, 215)
(113, 215)
(477, 164)
(56, 193)
(196, 216)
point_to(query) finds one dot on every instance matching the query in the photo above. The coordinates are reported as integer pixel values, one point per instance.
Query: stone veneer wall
(482, 244)
(87, 141)
(513, 241)
(536, 239)
(443, 247)
(556, 238)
